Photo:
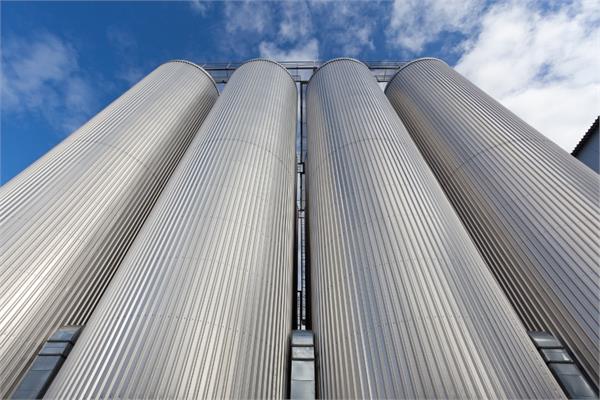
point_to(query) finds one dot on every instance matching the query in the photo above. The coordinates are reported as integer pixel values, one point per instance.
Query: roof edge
(332, 61)
(416, 60)
(271, 61)
(198, 67)
(586, 136)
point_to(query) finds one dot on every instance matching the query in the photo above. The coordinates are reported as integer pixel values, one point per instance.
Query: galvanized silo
(403, 305)
(68, 220)
(530, 207)
(201, 307)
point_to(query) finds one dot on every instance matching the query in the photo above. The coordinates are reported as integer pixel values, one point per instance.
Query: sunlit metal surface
(530, 207)
(202, 305)
(403, 305)
(68, 219)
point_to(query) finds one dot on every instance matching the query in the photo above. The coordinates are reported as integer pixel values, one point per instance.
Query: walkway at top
(301, 71)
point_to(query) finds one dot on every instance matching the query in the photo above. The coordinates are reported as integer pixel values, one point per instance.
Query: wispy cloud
(42, 76)
(295, 22)
(248, 16)
(283, 27)
(539, 59)
(199, 6)
(308, 51)
(126, 49)
(293, 40)
(415, 23)
(349, 26)
(245, 24)
(541, 64)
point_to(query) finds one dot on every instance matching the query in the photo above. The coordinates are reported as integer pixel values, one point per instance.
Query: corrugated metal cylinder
(403, 305)
(68, 220)
(202, 305)
(530, 207)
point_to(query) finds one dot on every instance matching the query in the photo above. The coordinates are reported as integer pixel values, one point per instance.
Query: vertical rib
(68, 220)
(403, 305)
(529, 206)
(201, 307)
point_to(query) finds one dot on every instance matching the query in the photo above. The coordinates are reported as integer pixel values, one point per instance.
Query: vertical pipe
(403, 305)
(530, 207)
(201, 306)
(68, 220)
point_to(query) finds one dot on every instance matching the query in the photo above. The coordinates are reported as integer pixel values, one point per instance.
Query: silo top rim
(197, 66)
(271, 61)
(335, 60)
(411, 63)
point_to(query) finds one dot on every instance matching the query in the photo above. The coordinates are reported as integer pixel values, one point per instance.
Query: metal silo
(403, 305)
(530, 207)
(68, 220)
(201, 307)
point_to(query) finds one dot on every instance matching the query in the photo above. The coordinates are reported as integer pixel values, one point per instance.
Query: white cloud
(78, 95)
(286, 26)
(199, 6)
(29, 68)
(244, 25)
(296, 21)
(357, 40)
(543, 66)
(348, 25)
(42, 76)
(308, 51)
(415, 23)
(248, 16)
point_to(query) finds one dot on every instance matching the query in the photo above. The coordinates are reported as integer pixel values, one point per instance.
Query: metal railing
(301, 71)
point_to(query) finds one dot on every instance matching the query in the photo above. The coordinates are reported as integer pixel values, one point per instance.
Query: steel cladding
(530, 207)
(201, 306)
(68, 220)
(403, 305)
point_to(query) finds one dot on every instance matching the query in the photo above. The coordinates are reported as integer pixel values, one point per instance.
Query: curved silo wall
(530, 207)
(201, 306)
(403, 305)
(68, 220)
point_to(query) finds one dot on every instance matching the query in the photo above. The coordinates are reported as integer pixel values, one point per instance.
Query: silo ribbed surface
(403, 305)
(201, 306)
(530, 207)
(68, 220)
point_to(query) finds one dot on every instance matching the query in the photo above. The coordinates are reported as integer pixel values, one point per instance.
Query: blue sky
(62, 62)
